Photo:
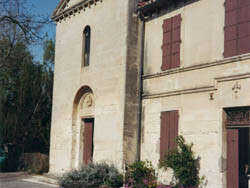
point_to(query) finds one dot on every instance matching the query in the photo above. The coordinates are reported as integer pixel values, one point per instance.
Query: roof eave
(72, 10)
(156, 6)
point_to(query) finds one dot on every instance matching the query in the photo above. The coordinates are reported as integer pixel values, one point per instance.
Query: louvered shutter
(166, 47)
(237, 27)
(169, 131)
(176, 41)
(171, 43)
(244, 27)
(231, 29)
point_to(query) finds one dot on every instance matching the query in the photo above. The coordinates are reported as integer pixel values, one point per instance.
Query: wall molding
(198, 66)
(232, 77)
(180, 92)
(71, 11)
(200, 89)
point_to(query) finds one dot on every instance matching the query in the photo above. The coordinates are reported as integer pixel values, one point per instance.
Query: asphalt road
(17, 183)
(22, 181)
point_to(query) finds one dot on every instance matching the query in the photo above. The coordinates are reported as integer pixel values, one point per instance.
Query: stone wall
(105, 76)
(199, 89)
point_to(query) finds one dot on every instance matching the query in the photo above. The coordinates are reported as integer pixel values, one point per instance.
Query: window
(171, 43)
(237, 27)
(169, 131)
(86, 45)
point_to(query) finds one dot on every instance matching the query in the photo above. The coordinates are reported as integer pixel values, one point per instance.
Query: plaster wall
(199, 89)
(200, 122)
(202, 35)
(105, 76)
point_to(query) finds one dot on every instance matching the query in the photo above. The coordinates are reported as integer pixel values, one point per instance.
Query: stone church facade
(132, 75)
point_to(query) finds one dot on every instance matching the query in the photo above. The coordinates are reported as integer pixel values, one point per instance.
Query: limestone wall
(105, 76)
(199, 89)
(202, 35)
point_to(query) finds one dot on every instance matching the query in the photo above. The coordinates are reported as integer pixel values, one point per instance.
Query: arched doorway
(83, 127)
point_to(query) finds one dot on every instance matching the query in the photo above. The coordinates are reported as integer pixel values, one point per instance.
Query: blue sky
(43, 7)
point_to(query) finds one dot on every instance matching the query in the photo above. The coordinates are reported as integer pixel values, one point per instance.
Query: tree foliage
(25, 101)
(18, 23)
(184, 164)
(25, 85)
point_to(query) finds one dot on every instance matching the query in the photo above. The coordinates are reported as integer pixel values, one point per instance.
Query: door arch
(83, 109)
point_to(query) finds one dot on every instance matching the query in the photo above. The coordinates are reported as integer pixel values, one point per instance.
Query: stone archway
(83, 107)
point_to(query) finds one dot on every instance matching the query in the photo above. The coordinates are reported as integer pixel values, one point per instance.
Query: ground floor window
(169, 131)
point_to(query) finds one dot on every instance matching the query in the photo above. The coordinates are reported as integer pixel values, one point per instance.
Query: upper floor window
(171, 43)
(86, 45)
(237, 27)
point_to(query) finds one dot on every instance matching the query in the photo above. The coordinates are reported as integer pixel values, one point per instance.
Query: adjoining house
(132, 75)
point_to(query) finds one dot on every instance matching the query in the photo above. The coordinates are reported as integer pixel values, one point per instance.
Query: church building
(131, 75)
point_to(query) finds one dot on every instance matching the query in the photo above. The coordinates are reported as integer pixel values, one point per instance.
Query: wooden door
(232, 158)
(88, 141)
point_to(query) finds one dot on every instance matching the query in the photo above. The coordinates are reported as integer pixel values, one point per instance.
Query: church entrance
(83, 127)
(88, 144)
(238, 143)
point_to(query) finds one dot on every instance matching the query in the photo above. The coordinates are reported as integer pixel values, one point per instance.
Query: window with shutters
(86, 46)
(169, 131)
(171, 43)
(237, 27)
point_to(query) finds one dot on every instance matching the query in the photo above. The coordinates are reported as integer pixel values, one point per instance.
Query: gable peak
(66, 8)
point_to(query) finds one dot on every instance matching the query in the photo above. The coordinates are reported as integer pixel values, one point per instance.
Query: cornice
(198, 66)
(201, 89)
(179, 92)
(77, 8)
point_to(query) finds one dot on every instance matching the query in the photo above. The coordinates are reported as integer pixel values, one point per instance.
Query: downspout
(141, 38)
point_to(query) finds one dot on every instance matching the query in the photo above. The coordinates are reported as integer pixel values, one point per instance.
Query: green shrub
(92, 175)
(183, 163)
(141, 174)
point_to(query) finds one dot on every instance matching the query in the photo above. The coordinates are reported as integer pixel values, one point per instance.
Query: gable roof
(62, 11)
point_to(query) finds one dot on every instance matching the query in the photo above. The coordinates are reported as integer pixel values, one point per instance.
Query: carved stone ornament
(236, 88)
(88, 101)
(238, 116)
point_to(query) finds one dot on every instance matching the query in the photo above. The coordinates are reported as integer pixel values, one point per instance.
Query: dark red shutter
(169, 131)
(232, 158)
(176, 41)
(231, 29)
(166, 47)
(237, 27)
(244, 28)
(88, 142)
(171, 43)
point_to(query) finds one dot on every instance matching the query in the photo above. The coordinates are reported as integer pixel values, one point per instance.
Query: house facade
(132, 75)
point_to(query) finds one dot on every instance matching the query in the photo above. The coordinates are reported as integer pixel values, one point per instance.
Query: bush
(92, 175)
(141, 174)
(184, 164)
(35, 163)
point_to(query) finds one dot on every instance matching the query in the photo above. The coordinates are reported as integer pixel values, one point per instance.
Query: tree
(49, 53)
(19, 24)
(25, 101)
(25, 85)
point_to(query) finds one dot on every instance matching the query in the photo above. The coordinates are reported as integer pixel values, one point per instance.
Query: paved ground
(21, 180)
